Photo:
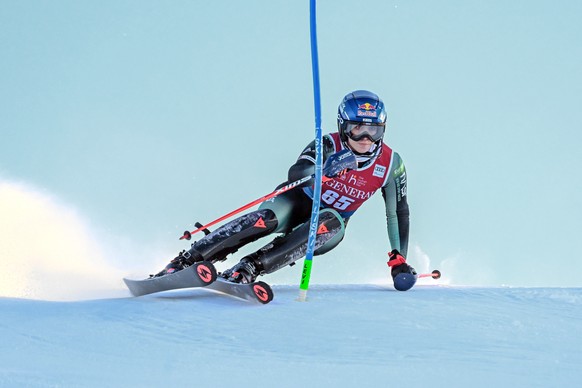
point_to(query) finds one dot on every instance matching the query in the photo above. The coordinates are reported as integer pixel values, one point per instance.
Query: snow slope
(67, 321)
(344, 336)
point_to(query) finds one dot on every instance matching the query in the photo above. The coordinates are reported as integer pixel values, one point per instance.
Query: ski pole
(436, 274)
(188, 235)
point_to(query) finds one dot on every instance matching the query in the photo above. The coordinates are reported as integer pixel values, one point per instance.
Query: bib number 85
(335, 200)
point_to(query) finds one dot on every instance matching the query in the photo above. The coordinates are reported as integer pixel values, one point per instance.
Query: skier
(361, 124)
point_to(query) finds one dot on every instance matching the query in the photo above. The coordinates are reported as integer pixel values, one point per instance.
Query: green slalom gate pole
(308, 262)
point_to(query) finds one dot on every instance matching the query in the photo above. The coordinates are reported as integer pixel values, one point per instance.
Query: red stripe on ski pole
(436, 274)
(283, 189)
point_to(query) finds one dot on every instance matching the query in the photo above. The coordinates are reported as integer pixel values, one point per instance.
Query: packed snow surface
(343, 336)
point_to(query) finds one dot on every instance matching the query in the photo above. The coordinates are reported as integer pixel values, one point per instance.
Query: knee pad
(293, 246)
(338, 235)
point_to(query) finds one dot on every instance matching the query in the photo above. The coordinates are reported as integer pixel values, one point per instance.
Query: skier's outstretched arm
(397, 212)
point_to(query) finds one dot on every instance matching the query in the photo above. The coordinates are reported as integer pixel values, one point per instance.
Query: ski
(197, 275)
(201, 274)
(259, 291)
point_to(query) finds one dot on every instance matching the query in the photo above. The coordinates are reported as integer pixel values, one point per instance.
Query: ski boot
(183, 260)
(245, 272)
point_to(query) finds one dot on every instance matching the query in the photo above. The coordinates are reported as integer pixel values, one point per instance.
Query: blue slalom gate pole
(308, 262)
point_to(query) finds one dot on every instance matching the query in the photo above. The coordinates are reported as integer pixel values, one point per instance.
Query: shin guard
(233, 235)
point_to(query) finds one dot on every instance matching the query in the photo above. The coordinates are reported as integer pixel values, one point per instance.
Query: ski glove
(339, 163)
(398, 264)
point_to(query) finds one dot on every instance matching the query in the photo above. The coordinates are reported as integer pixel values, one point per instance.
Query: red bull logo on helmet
(367, 110)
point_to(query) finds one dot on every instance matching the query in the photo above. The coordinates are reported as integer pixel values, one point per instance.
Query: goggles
(358, 131)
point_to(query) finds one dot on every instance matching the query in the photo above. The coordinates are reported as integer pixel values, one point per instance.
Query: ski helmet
(361, 114)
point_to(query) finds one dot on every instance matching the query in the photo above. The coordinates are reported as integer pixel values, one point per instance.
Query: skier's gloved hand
(339, 163)
(404, 276)
(398, 264)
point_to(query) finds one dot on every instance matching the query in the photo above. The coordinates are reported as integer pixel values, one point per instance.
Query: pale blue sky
(150, 115)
